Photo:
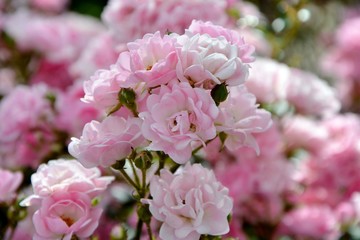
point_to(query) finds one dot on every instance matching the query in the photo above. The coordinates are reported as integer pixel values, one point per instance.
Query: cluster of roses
(174, 94)
(164, 100)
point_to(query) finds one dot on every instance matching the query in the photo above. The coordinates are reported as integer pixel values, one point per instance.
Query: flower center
(69, 221)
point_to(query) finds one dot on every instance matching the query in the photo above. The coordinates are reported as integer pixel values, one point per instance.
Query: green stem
(129, 180)
(137, 180)
(138, 229)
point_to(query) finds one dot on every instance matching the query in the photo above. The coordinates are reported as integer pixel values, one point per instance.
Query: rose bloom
(103, 143)
(313, 222)
(131, 19)
(271, 81)
(65, 214)
(206, 61)
(178, 120)
(66, 175)
(100, 53)
(151, 60)
(26, 119)
(59, 38)
(189, 203)
(10, 181)
(73, 114)
(232, 36)
(239, 123)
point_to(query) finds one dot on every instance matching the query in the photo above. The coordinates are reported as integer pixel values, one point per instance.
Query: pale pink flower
(206, 61)
(10, 182)
(103, 87)
(7, 80)
(68, 176)
(129, 20)
(271, 82)
(100, 53)
(189, 203)
(330, 173)
(178, 120)
(302, 132)
(239, 123)
(66, 214)
(60, 38)
(152, 60)
(177, 15)
(268, 80)
(300, 93)
(342, 60)
(232, 36)
(25, 133)
(103, 143)
(72, 113)
(256, 185)
(50, 5)
(315, 222)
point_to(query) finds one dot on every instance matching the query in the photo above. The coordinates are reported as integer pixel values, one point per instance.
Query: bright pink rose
(103, 143)
(206, 61)
(315, 222)
(53, 74)
(72, 113)
(26, 119)
(68, 176)
(10, 181)
(239, 123)
(232, 36)
(178, 120)
(189, 203)
(64, 215)
(152, 60)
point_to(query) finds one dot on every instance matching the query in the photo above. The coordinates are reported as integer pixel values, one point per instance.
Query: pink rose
(178, 120)
(100, 53)
(60, 38)
(103, 87)
(152, 60)
(131, 19)
(189, 203)
(65, 214)
(315, 222)
(53, 74)
(10, 181)
(66, 175)
(73, 114)
(206, 61)
(232, 36)
(26, 119)
(103, 143)
(240, 117)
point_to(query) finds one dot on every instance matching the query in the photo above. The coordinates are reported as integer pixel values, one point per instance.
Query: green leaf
(219, 93)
